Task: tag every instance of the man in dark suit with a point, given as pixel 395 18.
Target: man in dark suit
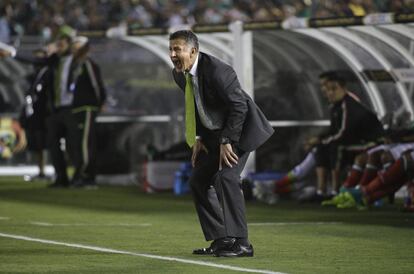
pixel 223 125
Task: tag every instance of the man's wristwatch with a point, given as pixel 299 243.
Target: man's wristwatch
pixel 225 140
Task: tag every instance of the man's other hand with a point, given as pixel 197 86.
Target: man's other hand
pixel 198 146
pixel 227 156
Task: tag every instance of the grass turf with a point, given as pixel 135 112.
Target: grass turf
pixel 297 238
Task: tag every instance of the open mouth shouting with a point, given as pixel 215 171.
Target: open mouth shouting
pixel 178 65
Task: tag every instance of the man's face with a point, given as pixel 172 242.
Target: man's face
pixel 62 46
pixel 182 55
pixel 334 92
pixel 322 84
pixel 76 46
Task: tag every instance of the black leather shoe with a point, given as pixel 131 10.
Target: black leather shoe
pixel 203 251
pixel 216 245
pixel 237 250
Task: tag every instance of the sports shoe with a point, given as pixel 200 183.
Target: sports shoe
pixel 356 193
pixel 335 200
pixel 347 202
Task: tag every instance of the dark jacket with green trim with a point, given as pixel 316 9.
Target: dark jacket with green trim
pixel 86 83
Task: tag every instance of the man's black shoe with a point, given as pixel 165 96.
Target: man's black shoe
pixel 216 245
pixel 203 251
pixel 237 250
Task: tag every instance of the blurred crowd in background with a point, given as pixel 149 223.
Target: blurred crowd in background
pixel 38 17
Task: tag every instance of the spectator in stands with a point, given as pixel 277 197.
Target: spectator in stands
pixel 402 6
pixel 357 7
pixel 235 13
pixel 177 15
pixel 301 9
pixel 77 18
pixel 6 12
pixel 36 16
pixel 139 16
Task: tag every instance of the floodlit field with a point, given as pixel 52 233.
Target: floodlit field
pixel 121 230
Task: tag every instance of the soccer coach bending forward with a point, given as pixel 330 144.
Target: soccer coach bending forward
pixel 223 125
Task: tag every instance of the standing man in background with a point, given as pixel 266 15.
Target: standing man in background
pixel 33 117
pixel 223 125
pixel 89 96
pixel 75 94
pixel 60 122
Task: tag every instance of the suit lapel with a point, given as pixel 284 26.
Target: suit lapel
pixel 180 79
pixel 200 75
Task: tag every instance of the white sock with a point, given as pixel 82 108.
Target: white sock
pixel 305 167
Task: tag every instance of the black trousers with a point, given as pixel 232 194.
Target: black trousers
pixel 218 194
pixel 61 124
pixel 336 156
pixel 85 145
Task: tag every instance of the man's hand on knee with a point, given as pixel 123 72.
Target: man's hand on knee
pixel 227 156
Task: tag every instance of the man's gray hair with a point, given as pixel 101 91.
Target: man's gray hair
pixel 188 36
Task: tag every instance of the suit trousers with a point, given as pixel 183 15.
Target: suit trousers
pixel 218 195
pixel 61 124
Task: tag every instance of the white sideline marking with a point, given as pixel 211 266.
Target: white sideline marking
pixel 24 170
pixel 164 258
pixel 83 224
pixel 295 223
pixel 4 218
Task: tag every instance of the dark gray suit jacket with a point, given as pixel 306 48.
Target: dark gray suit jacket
pixel 243 122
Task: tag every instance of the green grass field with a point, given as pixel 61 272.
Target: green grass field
pixel 288 237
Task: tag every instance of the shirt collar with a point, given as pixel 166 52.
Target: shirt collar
pixel 193 70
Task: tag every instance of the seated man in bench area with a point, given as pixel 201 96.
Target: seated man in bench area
pixel 354 128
